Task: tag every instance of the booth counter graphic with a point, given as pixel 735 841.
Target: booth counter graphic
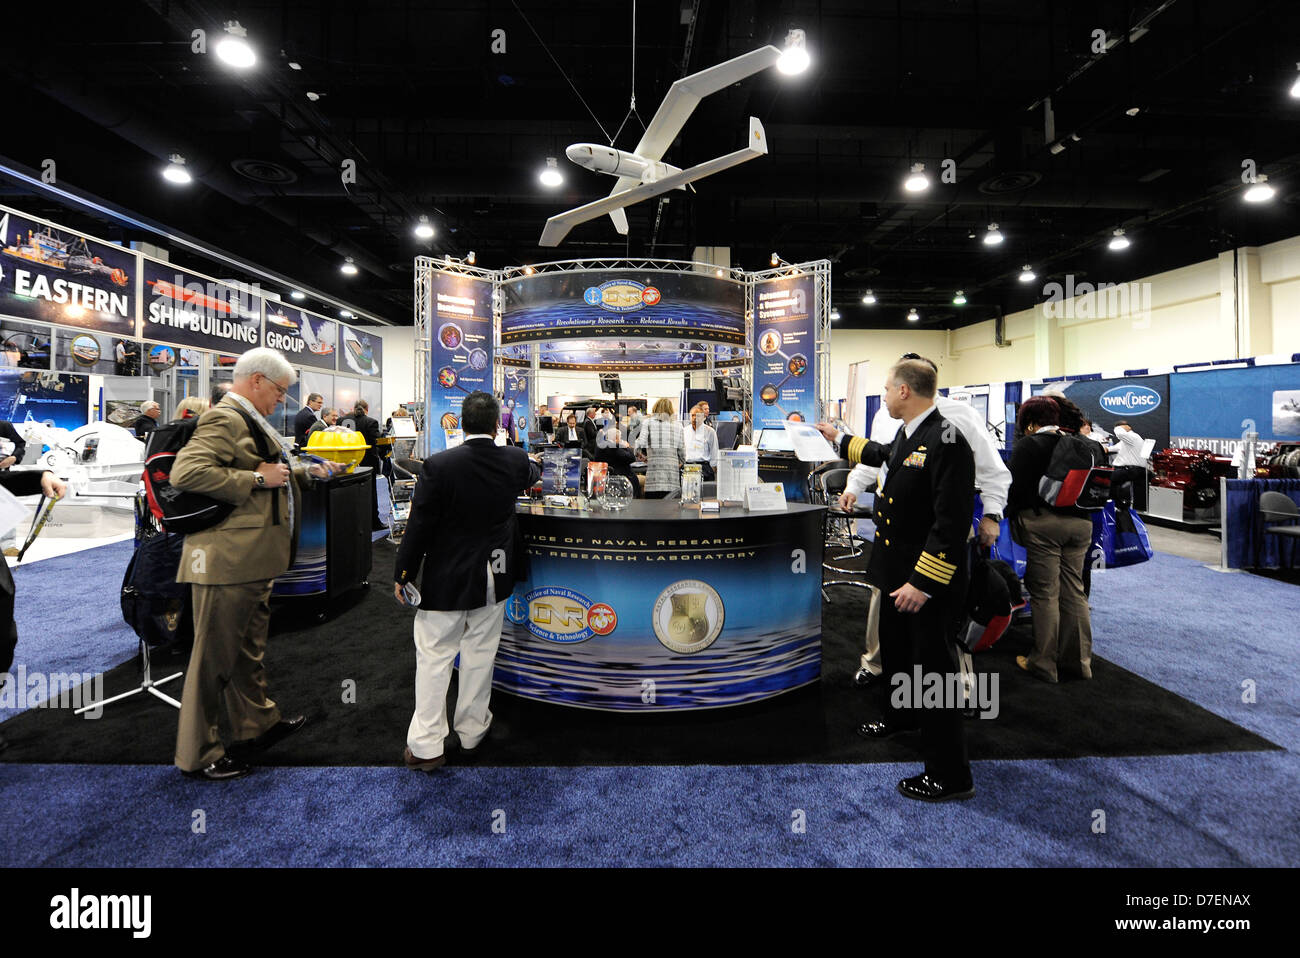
pixel 57 276
pixel 654 612
pixel 461 349
pixel 785 352
pixel 189 309
pixel 305 338
pixel 626 356
pixel 587 304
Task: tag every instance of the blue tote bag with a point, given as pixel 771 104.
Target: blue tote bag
pixel 1119 538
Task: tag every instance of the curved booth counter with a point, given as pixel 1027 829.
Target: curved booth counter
pixel 660 608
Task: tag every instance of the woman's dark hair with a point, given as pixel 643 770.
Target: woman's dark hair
pixel 1072 417
pixel 1038 411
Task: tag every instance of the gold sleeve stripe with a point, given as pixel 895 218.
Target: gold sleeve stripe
pixel 941 578
pixel 946 566
pixel 925 564
pixel 856 445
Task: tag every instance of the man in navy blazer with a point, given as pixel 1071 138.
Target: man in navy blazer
pixel 463 531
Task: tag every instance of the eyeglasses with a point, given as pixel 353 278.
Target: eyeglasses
pixel 280 391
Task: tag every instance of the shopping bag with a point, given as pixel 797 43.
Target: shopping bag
pixel 1006 549
pixel 1119 538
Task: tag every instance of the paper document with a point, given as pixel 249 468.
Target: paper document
pixel 737 471
pixel 809 444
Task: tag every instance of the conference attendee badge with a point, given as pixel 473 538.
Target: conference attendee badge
pixel 766 497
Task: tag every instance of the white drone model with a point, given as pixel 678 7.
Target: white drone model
pixel 641 174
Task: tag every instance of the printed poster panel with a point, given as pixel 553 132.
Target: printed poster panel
pixel 1214 409
pixel 189 309
pixel 1141 401
pixel 361 352
pixel 461 351
pixel 785 352
pixel 54 275
pixel 305 338
pixel 61 400
pixel 622 303
pixel 626 356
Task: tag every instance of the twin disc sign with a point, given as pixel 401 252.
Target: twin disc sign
pixel 1129 400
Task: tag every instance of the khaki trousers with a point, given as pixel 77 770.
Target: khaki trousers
pixel 226 672
pixel 1056 546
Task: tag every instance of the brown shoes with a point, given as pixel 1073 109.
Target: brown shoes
pixel 424 764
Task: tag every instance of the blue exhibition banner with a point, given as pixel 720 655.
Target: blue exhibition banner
pixel 54 275
pixel 517 403
pixel 785 352
pixel 460 326
pixel 622 304
pixel 55 399
pixel 1214 409
pixel 1141 401
pixel 305 338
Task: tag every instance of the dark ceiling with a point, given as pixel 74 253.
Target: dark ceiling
pixel 439 124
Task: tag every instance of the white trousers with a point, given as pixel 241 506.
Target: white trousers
pixel 439 636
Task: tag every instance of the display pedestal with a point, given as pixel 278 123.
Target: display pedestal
pixel 334 540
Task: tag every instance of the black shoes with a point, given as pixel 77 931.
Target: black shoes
pixel 927 788
pixel 278 732
pixel 875 730
pixel 865 678
pixel 222 770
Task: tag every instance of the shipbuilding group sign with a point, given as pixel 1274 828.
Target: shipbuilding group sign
pixel 192 310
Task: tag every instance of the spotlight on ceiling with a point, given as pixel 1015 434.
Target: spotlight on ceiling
pixel 719 273
pixel 913 316
pixel 1295 87
pixel 471 258
pixel 776 259
pixel 916 180
pixel 528 271
pixel 345 314
pixel 233 49
pixel 993 236
pixel 294 65
pixel 424 229
pixel 313 96
pixel 298 295
pixel 794 58
pixel 551 176
pixel 835 314
pixel 959 299
pixel 1118 241
pixel 1027 275
pixel 1260 191
pixel 175 172
pixel 348 268
pixel 1133 111
pixel 868 298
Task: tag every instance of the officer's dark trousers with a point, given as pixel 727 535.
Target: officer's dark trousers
pixel 925 638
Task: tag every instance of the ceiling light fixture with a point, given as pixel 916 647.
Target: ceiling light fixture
pixel 348 268
pixel 313 96
pixel 345 314
pixel 993 236
pixel 719 273
pixel 776 259
pixel 835 314
pixel 294 65
pixel 424 229
pixel 1133 110
pixel 959 299
pixel 868 298
pixel 794 58
pixel 1295 87
pixel 1027 275
pixel 528 271
pixel 917 180
pixel 1118 241
pixel 471 258
pixel 175 172
pixel 913 316
pixel 551 176
pixel 1260 191
pixel 233 49
pixel 298 295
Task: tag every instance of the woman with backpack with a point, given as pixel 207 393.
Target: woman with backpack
pixel 1056 538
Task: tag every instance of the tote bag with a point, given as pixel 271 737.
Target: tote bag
pixel 1119 538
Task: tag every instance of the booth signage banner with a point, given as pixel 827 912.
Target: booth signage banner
pixel 189 309
pixel 785 352
pixel 623 304
pixel 58 276
pixel 1213 410
pixel 633 615
pixel 361 352
pixel 460 325
pixel 625 356
pixel 1141 401
pixel 305 338
pixel 517 401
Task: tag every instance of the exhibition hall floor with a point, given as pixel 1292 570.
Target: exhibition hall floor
pixel 1161 742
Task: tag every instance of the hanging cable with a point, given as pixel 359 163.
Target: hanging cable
pixel 560 68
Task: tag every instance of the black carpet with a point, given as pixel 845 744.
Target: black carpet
pixel 367 641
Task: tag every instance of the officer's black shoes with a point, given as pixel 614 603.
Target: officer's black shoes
pixel 927 788
pixel 222 770
pixel 875 730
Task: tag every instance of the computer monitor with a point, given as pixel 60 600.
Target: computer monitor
pixel 774 440
pixel 728 430
pixel 536 437
pixel 546 424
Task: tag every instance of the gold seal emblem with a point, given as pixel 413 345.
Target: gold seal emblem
pixel 688 616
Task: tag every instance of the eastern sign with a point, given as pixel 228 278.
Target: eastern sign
pixel 619 304
pixel 305 338
pixel 189 309
pixel 57 276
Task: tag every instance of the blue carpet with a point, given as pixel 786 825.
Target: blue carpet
pixel 1166 812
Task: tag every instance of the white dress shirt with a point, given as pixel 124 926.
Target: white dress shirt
pixel 1128 448
pixel 701 444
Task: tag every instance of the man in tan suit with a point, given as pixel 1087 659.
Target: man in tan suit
pixel 231 566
